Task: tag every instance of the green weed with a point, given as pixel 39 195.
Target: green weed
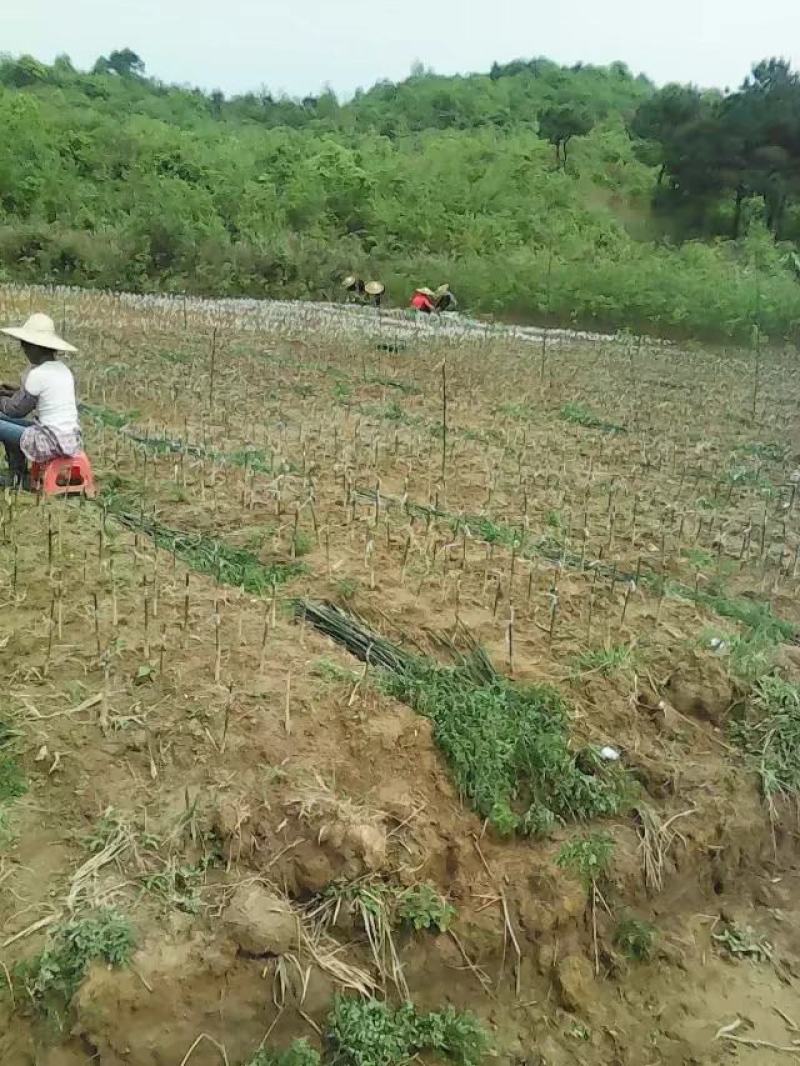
pixel 699 559
pixel 582 416
pixel 177 885
pixel 346 588
pixel 588 859
pixel 749 477
pixel 302 544
pixel 635 939
pixel 104 416
pixel 12 780
pixel 53 976
pixel 342 392
pixel 331 671
pixel 369 1033
pixel 424 908
pixel 742 943
pixel 7 834
pixel 769 735
pixel 774 453
pixel 228 565
pixel 604 661
pixel 521 411
pixel 300 1053
pixel 507 745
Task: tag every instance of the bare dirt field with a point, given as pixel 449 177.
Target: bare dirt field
pixel 220 829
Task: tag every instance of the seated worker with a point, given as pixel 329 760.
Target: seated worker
pixel 375 291
pixel 48 388
pixel 355 287
pixel 423 300
pixel 445 301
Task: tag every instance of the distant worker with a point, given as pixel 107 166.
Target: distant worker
pixel 424 300
pixel 354 286
pixel 375 291
pixel 445 301
pixel 48 389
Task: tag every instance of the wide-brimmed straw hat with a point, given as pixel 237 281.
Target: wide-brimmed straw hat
pixel 41 331
pixel 443 290
pixel 426 292
pixel 349 281
pixel 375 288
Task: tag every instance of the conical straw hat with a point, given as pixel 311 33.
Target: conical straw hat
pixel 375 288
pixel 40 330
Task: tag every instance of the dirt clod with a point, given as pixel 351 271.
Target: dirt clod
pixel 260 922
pixel 701 690
pixel 573 980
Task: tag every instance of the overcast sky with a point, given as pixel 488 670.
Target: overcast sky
pixel 301 45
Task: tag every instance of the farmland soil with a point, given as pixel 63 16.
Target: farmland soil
pixel 204 762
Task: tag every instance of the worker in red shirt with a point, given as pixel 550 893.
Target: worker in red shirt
pixel 423 300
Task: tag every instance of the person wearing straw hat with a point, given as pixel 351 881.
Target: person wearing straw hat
pixel 424 300
pixel 354 286
pixel 375 291
pixel 48 390
pixel 445 301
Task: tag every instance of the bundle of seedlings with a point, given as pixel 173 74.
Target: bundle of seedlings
pixel 507 745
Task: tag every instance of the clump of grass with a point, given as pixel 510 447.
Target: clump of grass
pixel 332 671
pixel 52 977
pixel 302 543
pixel 178 885
pixel 752 652
pixel 299 1053
pixel 635 939
pixel 369 1033
pixel 769 734
pixel 605 661
pixel 582 416
pixel 749 477
pixel 12 780
pixel 342 392
pixel 522 411
pixel 588 859
pixel 347 587
pixel 425 908
pixel 755 614
pixel 770 452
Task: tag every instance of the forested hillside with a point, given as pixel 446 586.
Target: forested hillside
pixel 554 194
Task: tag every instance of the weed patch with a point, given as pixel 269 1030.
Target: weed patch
pixel 12 780
pixel 579 415
pixel 207 555
pixel 507 745
pixel 769 735
pixel 742 943
pixel 369 1033
pixel 635 939
pixel 604 661
pixel 52 977
pixel 588 859
pixel 424 908
pixel 300 1053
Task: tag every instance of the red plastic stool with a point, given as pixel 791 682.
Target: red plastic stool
pixel 66 475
